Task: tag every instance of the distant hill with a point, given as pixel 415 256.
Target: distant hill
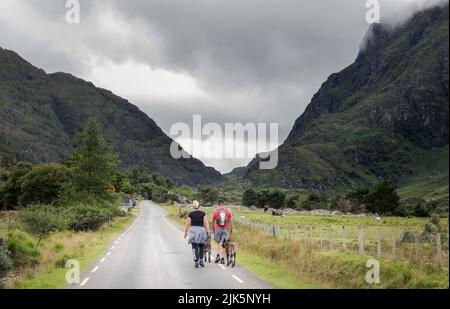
pixel 383 117
pixel 40 115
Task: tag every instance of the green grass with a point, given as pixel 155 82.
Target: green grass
pixel 271 273
pixel 85 247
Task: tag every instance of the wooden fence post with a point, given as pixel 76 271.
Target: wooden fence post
pixel 378 243
pixel 416 247
pixel 361 240
pixel 330 237
pixel 321 236
pixel 394 247
pixel 274 231
pixel 438 249
pixel 344 242
pixel 305 240
pixel 311 234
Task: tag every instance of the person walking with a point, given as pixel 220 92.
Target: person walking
pixel 223 228
pixel 196 230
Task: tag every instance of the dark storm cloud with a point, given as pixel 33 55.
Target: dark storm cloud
pixel 253 60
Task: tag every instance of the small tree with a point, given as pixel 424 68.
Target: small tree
pixel 43 184
pixel 93 166
pixel 249 198
pixel 383 199
pixel 277 198
pixel 207 195
pixel 13 183
pixel 41 221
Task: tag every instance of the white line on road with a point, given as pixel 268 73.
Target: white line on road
pixel 108 253
pixel 102 260
pixel 84 281
pixel 237 279
pixel 221 266
pixel 95 269
pixel 116 242
pixel 113 247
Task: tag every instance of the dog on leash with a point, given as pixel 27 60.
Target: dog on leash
pixel 230 251
pixel 207 249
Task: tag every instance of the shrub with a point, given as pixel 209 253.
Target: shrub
pixel 207 195
pixel 88 217
pixel 249 198
pixel 5 260
pixel 43 184
pixel 41 221
pixel 383 199
pixel 22 249
pixel 61 262
pixel 13 181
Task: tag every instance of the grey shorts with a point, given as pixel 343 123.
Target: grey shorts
pixel 221 235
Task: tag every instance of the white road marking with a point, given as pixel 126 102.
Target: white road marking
pixel 84 281
pixel 116 242
pixel 95 269
pixel 237 279
pixel 221 266
pixel 102 260
pixel 113 247
pixel 108 253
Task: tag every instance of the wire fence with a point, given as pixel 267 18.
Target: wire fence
pixel 384 242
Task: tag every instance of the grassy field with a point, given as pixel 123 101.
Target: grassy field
pixel 83 246
pixel 309 266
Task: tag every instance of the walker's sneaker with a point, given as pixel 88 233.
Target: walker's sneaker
pixel 196 265
pixel 201 263
pixel 217 259
pixel 222 261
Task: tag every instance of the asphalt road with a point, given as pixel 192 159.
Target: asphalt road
pixel 152 254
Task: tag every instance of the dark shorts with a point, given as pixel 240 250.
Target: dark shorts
pixel 221 235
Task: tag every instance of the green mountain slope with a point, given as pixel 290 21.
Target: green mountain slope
pixel 383 117
pixel 40 115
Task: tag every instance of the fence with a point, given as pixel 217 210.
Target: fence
pixel 383 242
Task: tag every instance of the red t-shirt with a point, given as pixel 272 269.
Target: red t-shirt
pixel 224 215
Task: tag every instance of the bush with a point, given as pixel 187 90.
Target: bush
pixel 43 184
pixel 249 198
pixel 88 217
pixel 22 249
pixel 383 199
pixel 41 221
pixel 5 260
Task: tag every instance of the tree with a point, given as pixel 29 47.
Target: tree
pixel 43 183
pixel 207 195
pixel 383 199
pixel 276 199
pixel 13 181
pixel 249 198
pixel 93 166
pixel 292 201
pixel 41 221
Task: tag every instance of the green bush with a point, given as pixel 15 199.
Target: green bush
pixel 5 260
pixel 43 184
pixel 249 198
pixel 41 221
pixel 88 217
pixel 22 248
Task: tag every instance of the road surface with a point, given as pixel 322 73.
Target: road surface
pixel 152 254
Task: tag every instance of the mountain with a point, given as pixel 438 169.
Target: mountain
pixel 41 114
pixel 383 117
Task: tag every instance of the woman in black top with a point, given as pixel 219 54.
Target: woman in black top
pixel 197 230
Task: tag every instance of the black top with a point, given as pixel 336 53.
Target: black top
pixel 197 217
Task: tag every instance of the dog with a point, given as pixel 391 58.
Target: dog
pixel 207 249
pixel 230 251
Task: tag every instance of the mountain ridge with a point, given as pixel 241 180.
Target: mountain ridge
pixel 382 117
pixel 42 113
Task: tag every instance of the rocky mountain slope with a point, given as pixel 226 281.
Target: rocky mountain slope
pixel 40 115
pixel 383 117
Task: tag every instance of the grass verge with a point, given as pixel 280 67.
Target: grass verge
pixel 85 247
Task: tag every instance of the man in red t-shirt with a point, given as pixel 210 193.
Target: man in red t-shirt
pixel 223 227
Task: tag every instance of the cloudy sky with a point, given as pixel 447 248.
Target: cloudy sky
pixel 230 61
